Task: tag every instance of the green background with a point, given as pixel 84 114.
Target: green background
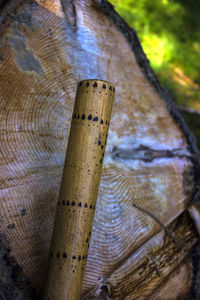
pixel 169 31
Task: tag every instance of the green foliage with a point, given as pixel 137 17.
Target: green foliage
pixel 194 123
pixel 169 31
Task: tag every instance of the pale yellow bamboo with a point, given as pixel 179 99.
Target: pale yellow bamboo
pixel 79 188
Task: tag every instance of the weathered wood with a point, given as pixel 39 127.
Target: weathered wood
pixel 151 160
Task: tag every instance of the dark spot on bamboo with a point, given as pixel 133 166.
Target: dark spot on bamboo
pixel 79 258
pixel 94 207
pixel 58 255
pixel 101 161
pixel 85 205
pixel 73 203
pixel 95 119
pixel 63 202
pixel 102 147
pixel 106 122
pixel 83 256
pixel 101 122
pixel 82 117
pixel 67 203
pixel 99 143
pixel 79 204
pixel 90 117
pixel 58 203
pixel 90 233
pixel 110 88
pixel 23 212
pixel 74 116
pixel 87 240
pixel 90 206
pixel 104 86
pixel 73 257
pixel 102 154
pixel 11 226
pixel 87 83
pixel 78 117
pixel 95 84
pixel 80 83
pixel 64 255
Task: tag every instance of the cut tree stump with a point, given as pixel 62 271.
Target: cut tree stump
pixel 143 236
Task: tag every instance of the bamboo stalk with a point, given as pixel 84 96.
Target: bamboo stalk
pixel 79 189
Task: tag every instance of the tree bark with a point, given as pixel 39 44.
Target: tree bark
pixel 142 231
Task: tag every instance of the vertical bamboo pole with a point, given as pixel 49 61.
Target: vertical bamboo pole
pixel 79 188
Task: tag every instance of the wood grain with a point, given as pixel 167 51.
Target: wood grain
pixel 42 57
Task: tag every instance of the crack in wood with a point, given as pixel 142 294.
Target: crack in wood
pixel 162 225
pixel 69 10
pixel 154 268
pixel 147 154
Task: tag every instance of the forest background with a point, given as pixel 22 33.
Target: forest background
pixel 169 31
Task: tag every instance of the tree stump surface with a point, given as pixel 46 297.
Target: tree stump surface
pixel 151 163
